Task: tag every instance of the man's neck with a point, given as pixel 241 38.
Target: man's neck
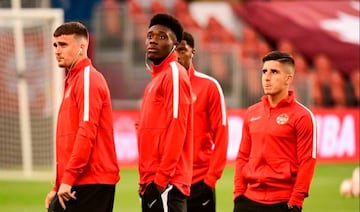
pixel 275 99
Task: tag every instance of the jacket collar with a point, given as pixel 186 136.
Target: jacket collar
pixel 80 65
pixel 191 70
pixel 164 64
pixel 287 101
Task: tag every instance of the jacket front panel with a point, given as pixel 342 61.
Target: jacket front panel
pixel 85 150
pixel 277 153
pixel 210 128
pixel 165 128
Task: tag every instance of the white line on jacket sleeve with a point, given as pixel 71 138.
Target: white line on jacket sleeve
pixel 175 75
pixel 314 136
pixel 86 93
pixel 222 98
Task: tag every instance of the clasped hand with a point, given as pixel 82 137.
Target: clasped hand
pixel 65 194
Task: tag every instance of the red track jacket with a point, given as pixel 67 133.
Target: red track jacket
pixel 85 150
pixel 210 128
pixel 164 130
pixel 277 154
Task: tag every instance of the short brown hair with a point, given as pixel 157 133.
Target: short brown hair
pixel 70 28
pixel 282 57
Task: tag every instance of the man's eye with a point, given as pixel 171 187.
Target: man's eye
pixel 149 36
pixel 274 71
pixel 162 37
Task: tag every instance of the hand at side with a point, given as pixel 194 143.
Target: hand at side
pixel 65 194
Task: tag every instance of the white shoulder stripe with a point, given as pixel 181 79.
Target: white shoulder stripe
pixel 314 146
pixel 86 93
pixel 175 75
pixel 222 98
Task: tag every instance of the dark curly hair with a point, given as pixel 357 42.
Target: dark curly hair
pixel 168 21
pixel 189 39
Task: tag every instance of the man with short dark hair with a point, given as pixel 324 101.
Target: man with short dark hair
pixel 210 131
pixel 164 129
pixel 86 164
pixel 277 155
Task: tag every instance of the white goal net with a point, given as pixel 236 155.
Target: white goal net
pixel 30 90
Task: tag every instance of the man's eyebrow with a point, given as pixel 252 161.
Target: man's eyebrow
pixel 273 69
pixel 60 43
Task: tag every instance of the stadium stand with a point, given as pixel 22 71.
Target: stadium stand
pixel 355 86
pixel 229 50
pixel 236 51
pixel 182 12
pixel 328 84
pixel 249 43
pixel 157 7
pixel 303 80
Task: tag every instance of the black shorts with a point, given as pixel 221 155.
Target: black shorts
pixel 89 198
pixel 244 204
pixel 170 200
pixel 202 198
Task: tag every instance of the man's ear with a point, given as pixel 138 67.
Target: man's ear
pixel 82 47
pixel 289 79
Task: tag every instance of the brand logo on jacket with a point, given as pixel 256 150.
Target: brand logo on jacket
pixel 255 118
pixel 282 119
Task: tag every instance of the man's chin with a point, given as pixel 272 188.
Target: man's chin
pixel 152 56
pixel 61 64
pixel 267 92
pixel 155 60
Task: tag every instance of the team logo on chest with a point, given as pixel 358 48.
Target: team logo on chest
pixel 282 119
